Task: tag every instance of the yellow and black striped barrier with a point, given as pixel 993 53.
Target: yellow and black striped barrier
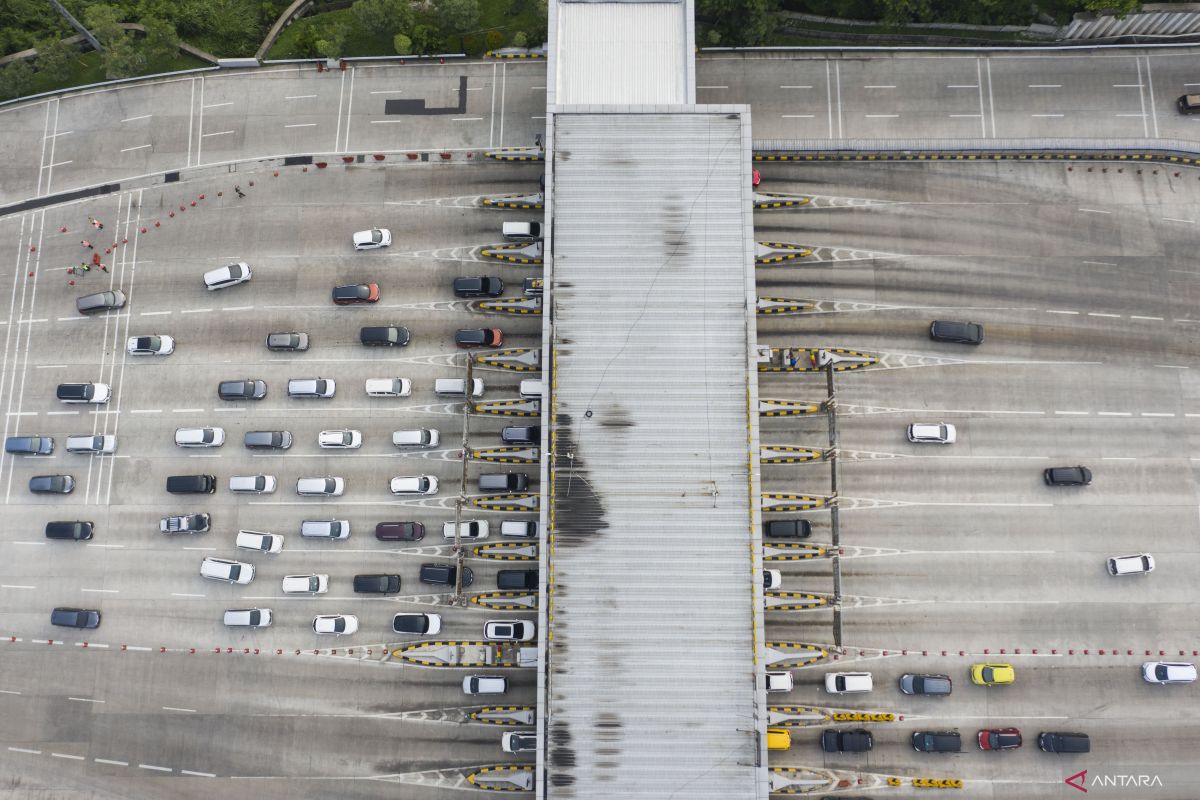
pixel 788 454
pixel 517 154
pixel 500 54
pixel 937 783
pixel 507 551
pixel 782 305
pixel 505 502
pixel 498 254
pixel 807 359
pixel 776 252
pixel 798 711
pixel 514 201
pixel 408 654
pixel 805 654
pixel 480 714
pixel 507 455
pixel 980 155
pixel 478 778
pixel 861 716
pixel 787 408
pixel 791 502
pixel 804 551
pixel 518 359
pixel 510 408
pixel 531 305
pixel 495 601
pixel 807 601
pixel 775 200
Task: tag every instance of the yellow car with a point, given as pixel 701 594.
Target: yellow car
pixel 779 739
pixel 992 674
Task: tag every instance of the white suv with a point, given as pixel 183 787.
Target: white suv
pixel 320 487
pixel 311 387
pixel 932 432
pixel 252 484
pixel 1139 564
pixel 199 437
pixel 260 542
pixel 89 443
pixel 848 682
pixel 229 275
pixel 305 584
pixel 325 528
pixel 517 630
pixel 222 569
pixel 414 484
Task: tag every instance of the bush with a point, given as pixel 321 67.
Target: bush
pixel 54 58
pixel 16 79
pixel 519 39
pixel 402 44
pixel 494 40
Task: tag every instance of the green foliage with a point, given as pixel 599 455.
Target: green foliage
pixel 457 16
pixel 123 58
pixel 493 40
pixel 425 39
pixel 332 41
pixel 898 12
pixel 739 22
pixel 383 17
pixel 16 79
pixel 104 21
pixel 308 41
pixel 223 27
pixel 1122 7
pixel 402 44
pixel 160 40
pixel 54 58
pixel 519 39
pixel 713 36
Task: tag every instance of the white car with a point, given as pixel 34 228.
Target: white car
pixel 325 528
pixel 931 432
pixel 389 387
pixel 261 542
pixel 199 437
pixel 414 484
pixel 223 569
pixel 372 239
pixel 467 529
pixel 311 387
pixel 335 624
pixel 252 484
pixel 1139 564
pixel 779 681
pixel 772 579
pixel 1164 672
pixel 329 486
pixel 340 439
pixel 228 275
pixel 89 443
pixel 519 742
pixel 517 630
pixel 305 584
pixel 156 344
pixel 848 682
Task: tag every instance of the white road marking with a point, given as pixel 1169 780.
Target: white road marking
pixel 962 86
pixel 1139 316
pixel 1045 86
pixel 1174 219
pixel 111 761
pixel 146 411
pixel 8 691
pixel 972 116
pixel 302 125
pixel 1045 115
pixel 1117 458
pixel 138 147
pixel 1170 366
pixel 25 750
pixel 218 133
pixel 350 108
pixel 107 546
pixel 1157 414
pixel 198 774
pixel 85 700
pixel 1098 314
pixel 67 755
pixel 100 591
pixel 1115 413
pixel 1095 211
pixel 880 116
pixel 173 708
pixel 301 96
pixel 51 366
pixel 386 91
pixel 60 133
pixel 15 586
pixel 795 87
pixel 157 769
pixel 135 119
pixel 201 549
pixel 1101 263
pixel 879 86
pixel 58 164
pixel 62 413
pixel 796 116
pixel 153 313
pixel 238 308
pixel 184 594
pixel 218 105
pixel 385 121
pixel 195 311
pixel 712 87
pixel 186 410
pixel 1073 413
pixel 535 116
pixel 465 119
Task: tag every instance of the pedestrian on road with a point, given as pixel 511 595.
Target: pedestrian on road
pixel 237 188
pixel 97 224
pixel 103 268
pixel 86 268
pixel 86 244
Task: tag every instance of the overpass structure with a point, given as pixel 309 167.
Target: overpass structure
pixel 650 687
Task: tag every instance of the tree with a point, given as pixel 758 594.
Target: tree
pixel 458 16
pixel 16 79
pixel 307 41
pixel 1122 7
pixel 104 21
pixel 331 43
pixel 402 44
pixel 161 40
pixel 519 39
pixel 381 17
pixel 740 22
pixel 123 58
pixel 54 58
pixel 899 12
pixel 424 39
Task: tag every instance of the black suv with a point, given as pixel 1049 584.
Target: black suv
pixel 75 618
pixel 517 580
pixel 268 440
pixel 394 336
pixel 856 741
pixel 936 742
pixel 400 531
pixel 191 484
pixel 1051 742
pixel 958 332
pixel 242 390
pixel 444 574
pixel 51 484
pixel 787 529
pixel 78 530
pixel 1067 476
pixel 521 434
pixel 478 287
pixel 376 584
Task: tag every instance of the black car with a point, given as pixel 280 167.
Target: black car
pixel 521 434
pixel 444 574
pixel 287 341
pixel 376 584
pixel 355 294
pixel 787 529
pixel 1067 476
pixel 29 445
pixel 77 530
pixel 478 337
pixel 503 482
pixel 393 336
pixel 400 531
pixel 936 741
pixel 1188 104
pixel 75 618
pixel 191 484
pixel 958 332
pixel 478 287
pixel 242 390
pixel 268 440
pixel 1053 742
pixel 51 484
pixel 855 741
pixel 929 685
pixel 415 623
pixel 517 580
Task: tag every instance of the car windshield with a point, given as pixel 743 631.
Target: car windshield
pixel 989 674
pixel 376 236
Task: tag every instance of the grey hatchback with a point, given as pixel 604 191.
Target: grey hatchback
pixel 932 685
pixel 248 389
pixel 287 341
pixel 29 445
pixel 75 617
pixel 51 484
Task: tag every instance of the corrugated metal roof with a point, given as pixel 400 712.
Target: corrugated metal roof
pixel 623 52
pixel 651 682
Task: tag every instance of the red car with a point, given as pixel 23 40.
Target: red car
pixel 358 293
pixel 479 337
pixel 999 739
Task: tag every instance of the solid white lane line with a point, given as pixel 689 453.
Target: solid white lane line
pixel 1101 263
pixel 1095 211
pixel 795 87
pixel 185 710
pixel 84 700
pixel 1139 316
pixel 218 133
pixel 880 116
pixel 198 774
pixel 1045 115
pixel 135 119
pixel 1045 86
pixel 302 125
pixel 797 116
pixel 138 147
pixel 1057 311
pixel 1170 366
pixel 1176 219
pixel 218 105
pixel 300 96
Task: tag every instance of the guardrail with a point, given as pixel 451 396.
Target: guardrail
pixel 1173 151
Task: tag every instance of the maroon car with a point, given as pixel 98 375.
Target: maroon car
pixel 999 739
pixel 400 531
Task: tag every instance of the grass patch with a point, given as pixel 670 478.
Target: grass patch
pixel 89 68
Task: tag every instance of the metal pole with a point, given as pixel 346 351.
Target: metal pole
pixel 77 25
pixel 459 550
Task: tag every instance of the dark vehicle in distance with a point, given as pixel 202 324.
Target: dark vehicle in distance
pixel 51 484
pixel 517 580
pixel 1055 742
pixel 29 445
pixel 268 440
pixel 242 390
pixel 936 741
pixel 445 574
pixel 77 530
pixel 387 336
pixel 75 617
pixel 478 287
pixel 1067 476
pixel 479 337
pixel 191 484
pixel 855 741
pixel 787 529
pixel 400 531
pixel 958 332
pixel 287 341
pixel 376 584
pixel 356 294
pixel 932 685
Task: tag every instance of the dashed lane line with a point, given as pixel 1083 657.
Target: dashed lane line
pixel 70 756
pixel 155 768
pixel 85 700
pixel 25 750
pixel 197 774
pixel 1094 211
pixel 111 761
pixel 185 710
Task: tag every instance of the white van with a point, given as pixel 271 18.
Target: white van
pixel 421 437
pixel 199 437
pixel 229 275
pixel 248 618
pixel 259 542
pixel 457 387
pixel 522 231
pixel 389 387
pixel 531 389
pixel 519 528
pixel 305 584
pixel 320 487
pixel 222 569
pixel 848 682
pixel 485 684
pixel 252 484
